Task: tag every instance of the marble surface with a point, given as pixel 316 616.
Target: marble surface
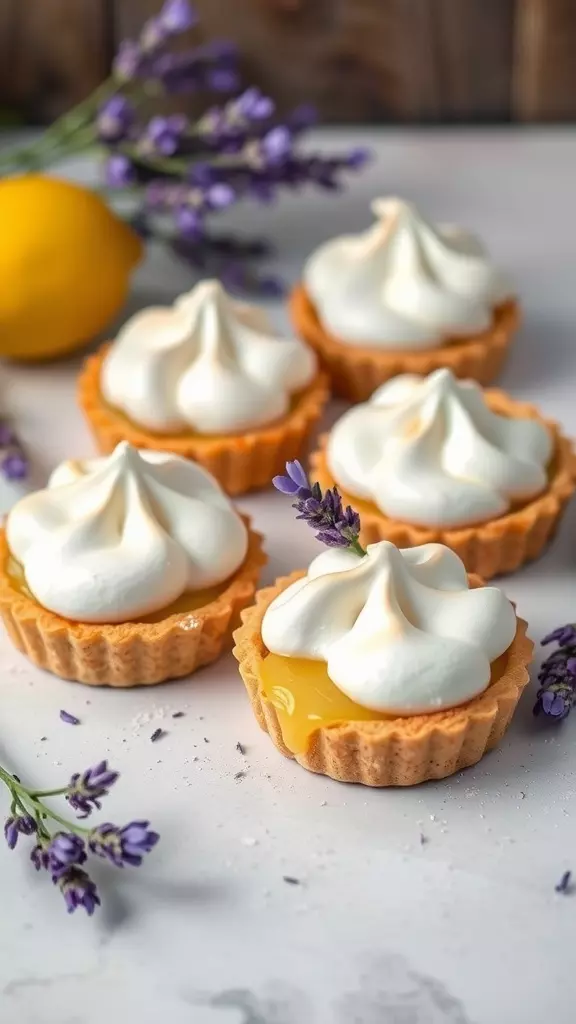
pixel 465 929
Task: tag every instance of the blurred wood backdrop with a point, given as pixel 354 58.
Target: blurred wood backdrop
pixel 357 60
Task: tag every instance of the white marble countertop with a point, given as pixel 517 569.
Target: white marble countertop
pixel 466 929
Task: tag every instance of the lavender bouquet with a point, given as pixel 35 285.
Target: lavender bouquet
pixel 181 172
pixel 61 846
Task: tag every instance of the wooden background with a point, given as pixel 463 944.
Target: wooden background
pixel 357 60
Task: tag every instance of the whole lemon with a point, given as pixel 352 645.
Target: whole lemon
pixel 65 263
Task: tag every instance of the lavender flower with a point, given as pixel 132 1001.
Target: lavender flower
pixel 296 481
pixel 337 527
pixel 65 716
pixel 178 16
pixel 557 677
pixel 125 845
pixel 163 135
pixel 15 466
pixel 40 855
pixel 86 790
pixel 211 67
pixel 77 889
pixel 114 119
pixel 17 825
pixel 120 171
pixel 129 62
pixel 191 169
pixel 66 849
pixel 63 852
pixel 564 636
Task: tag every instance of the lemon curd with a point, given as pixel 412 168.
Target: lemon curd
pixel 306 699
pixel 187 602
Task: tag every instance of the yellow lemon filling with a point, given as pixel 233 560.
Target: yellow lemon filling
pixel 306 699
pixel 187 602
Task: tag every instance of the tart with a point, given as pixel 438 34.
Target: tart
pixel 388 669
pixel 126 570
pixel 404 297
pixel 209 380
pixel 437 460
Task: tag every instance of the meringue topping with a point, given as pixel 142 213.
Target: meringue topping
pixel 206 364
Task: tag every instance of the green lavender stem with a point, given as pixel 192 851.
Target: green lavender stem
pixel 31 802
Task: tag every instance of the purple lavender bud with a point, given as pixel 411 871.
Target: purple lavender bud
pixel 114 119
pixel 128 62
pixel 163 134
pixel 332 538
pixel 564 636
pixel 15 466
pixel 86 790
pixel 253 105
pixel 11 832
pixel 16 825
pixel 222 79
pixel 66 849
pixel 77 889
pixel 65 716
pixel 276 144
pixel 189 223
pixel 296 481
pixel 553 704
pixel 178 16
pixel 270 287
pixel 119 171
pixel 40 856
pixel 153 35
pixel 202 175
pixel 358 158
pixel 219 196
pixel 125 845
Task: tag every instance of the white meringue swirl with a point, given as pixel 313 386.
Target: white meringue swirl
pixel 429 451
pixel 404 284
pixel 116 538
pixel 400 630
pixel 206 364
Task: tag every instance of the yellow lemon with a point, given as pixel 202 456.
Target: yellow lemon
pixel 65 263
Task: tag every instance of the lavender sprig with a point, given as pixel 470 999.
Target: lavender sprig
pixel 337 527
pixel 557 677
pixel 180 171
pixel 62 853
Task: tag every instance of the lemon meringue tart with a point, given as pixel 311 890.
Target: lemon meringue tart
pixel 386 668
pixel 208 379
pixel 126 570
pixel 437 460
pixel 405 296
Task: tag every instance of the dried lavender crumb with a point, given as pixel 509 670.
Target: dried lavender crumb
pixel 564 886
pixel 290 880
pixel 240 748
pixel 158 734
pixel 68 718
pixel 42 738
pixel 240 775
pixel 423 839
pixel 178 714
pixel 206 740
